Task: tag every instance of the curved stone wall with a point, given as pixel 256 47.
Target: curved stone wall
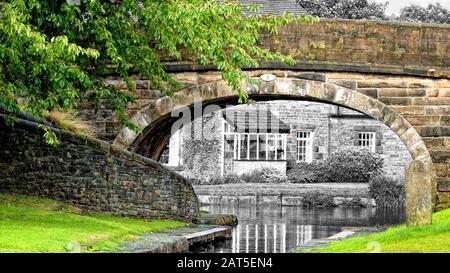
pixel 92 175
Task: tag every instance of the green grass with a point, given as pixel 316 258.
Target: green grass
pixel 31 224
pixel 430 238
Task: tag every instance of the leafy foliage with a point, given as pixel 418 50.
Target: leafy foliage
pixel 345 166
pixel 354 165
pixel 54 54
pixel 49 136
pixel 387 191
pixel 433 13
pixel 317 199
pixel 314 172
pixel 263 175
pixel 345 9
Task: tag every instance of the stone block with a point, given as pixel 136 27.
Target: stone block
pixel 443 184
pixel 409 110
pixel 382 83
pixel 420 120
pixel 393 92
pixel 371 92
pixel 396 100
pixel 418 193
pixel 312 76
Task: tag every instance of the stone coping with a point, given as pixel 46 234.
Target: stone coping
pixel 304 65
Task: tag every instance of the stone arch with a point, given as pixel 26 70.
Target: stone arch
pixel 156 118
pixel 157 122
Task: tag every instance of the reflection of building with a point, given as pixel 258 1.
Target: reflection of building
pixel 278 134
pixel 268 238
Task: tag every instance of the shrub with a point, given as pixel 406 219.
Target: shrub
pixel 387 191
pixel 218 180
pixel 227 179
pixel 316 199
pixel 308 173
pixel 264 175
pixel 355 166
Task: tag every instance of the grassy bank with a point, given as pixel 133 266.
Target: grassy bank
pixel 31 224
pixel 431 238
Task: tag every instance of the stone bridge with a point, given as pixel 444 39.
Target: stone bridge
pixel 91 174
pixel 397 73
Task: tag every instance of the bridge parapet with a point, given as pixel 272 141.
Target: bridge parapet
pixel 356 46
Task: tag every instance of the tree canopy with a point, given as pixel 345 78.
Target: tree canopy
pixel 433 13
pixel 367 9
pixel 54 53
pixel 345 9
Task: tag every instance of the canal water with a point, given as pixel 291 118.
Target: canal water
pixel 275 229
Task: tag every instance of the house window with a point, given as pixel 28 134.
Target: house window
pixel 276 147
pixel 367 140
pixel 165 155
pixel 254 146
pixel 304 146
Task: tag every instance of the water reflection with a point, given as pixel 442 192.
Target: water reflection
pixel 280 229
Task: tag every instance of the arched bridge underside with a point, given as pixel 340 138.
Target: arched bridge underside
pixel 396 73
pixel 408 105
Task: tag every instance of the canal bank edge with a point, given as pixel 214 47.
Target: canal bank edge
pixel 210 227
pixel 304 195
pixel 346 233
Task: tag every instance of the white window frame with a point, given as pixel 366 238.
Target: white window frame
pixel 304 151
pixel 166 156
pixel 239 136
pixel 367 140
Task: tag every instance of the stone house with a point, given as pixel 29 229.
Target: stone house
pixel 278 134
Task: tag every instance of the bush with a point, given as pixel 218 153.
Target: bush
pixel 316 199
pixel 353 166
pixel 264 175
pixel 308 173
pixel 387 191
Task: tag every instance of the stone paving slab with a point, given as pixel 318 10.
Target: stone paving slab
pixel 176 241
pixel 346 233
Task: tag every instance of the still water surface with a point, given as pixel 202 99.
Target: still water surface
pixel 274 229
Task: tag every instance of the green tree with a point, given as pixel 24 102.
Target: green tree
pixel 345 9
pixel 54 53
pixel 433 13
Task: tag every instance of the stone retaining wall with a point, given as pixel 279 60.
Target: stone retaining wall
pixel 91 174
pixel 322 195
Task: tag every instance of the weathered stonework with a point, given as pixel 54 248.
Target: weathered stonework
pixel 395 72
pixel 356 46
pixel 420 119
pixel 92 175
pixel 418 193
